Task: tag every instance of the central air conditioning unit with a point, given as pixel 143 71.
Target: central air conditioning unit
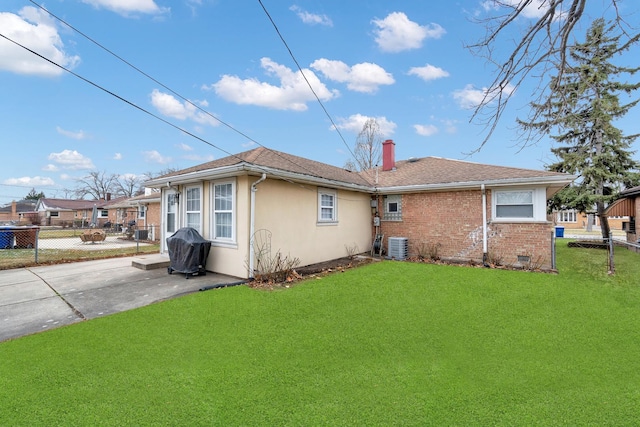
pixel 398 248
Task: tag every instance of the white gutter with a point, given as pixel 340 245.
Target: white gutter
pixel 252 226
pixel 484 224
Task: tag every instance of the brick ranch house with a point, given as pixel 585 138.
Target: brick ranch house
pixel 318 212
pixel 628 205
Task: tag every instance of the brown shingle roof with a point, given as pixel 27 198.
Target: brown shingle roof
pixel 437 170
pixel 281 161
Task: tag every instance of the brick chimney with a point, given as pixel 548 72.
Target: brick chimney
pixel 388 155
pixel 14 210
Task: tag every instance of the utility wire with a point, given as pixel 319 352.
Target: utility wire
pixel 176 94
pixel 326 112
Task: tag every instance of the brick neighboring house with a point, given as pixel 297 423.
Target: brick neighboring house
pixel 17 211
pixel 572 219
pixel 75 212
pixel 143 211
pixel 315 212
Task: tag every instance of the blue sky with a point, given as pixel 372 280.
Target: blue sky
pixel 401 62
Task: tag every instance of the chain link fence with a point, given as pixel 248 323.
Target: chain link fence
pixel 24 246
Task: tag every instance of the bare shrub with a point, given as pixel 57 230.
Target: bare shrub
pixel 429 251
pixel 352 250
pixel 274 269
pixel 494 259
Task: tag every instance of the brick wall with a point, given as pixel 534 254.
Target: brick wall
pixel 453 221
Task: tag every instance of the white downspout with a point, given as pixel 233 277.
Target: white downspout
pixel 252 225
pixel 484 224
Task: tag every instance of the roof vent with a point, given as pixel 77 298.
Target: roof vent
pixel 413 159
pixel 398 247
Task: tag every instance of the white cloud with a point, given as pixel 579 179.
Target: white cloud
pixel 470 97
pixel 33 29
pixel 68 159
pixel 364 77
pixel 311 18
pixel 355 123
pixel 396 33
pixel 30 181
pixel 117 156
pixel 80 134
pixel 428 72
pixel 50 168
pixel 184 147
pixel 293 93
pixel 129 7
pixel 155 157
pixel 425 130
pixel 169 106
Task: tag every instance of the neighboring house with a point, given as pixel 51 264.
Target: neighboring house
pixel 573 220
pixel 316 212
pixel 75 212
pixel 144 210
pixel 627 205
pixel 17 210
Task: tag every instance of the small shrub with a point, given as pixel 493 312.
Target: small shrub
pixel 429 251
pixel 352 250
pixel 276 269
pixel 494 259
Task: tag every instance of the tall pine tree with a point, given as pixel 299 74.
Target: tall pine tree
pixel 582 110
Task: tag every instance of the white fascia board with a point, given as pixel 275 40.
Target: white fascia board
pixel 239 169
pixel 541 181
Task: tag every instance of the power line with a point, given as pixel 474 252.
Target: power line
pixel 326 112
pixel 173 92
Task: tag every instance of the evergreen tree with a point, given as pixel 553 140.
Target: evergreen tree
pixel 33 195
pixel 582 110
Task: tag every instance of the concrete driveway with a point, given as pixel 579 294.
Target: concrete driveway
pixel 36 299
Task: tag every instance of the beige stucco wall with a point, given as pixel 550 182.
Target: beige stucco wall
pixel 290 212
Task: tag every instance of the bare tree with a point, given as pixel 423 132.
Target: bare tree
pixel 129 185
pixel 97 185
pixel 368 149
pixel 541 48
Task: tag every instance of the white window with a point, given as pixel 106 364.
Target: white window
pixel 55 214
pixel 193 208
pixel 224 211
pixel 569 215
pixel 519 205
pixel 172 209
pixel 392 208
pixel 103 213
pixel 141 211
pixel 327 206
pixel 514 204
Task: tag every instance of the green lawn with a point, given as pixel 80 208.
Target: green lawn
pixel 390 343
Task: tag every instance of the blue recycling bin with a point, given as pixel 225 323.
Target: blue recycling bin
pixel 559 231
pixel 6 238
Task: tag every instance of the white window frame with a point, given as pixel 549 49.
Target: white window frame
pixel 538 202
pixel 185 196
pixel 567 216
pixel 103 213
pixel 234 200
pixel 142 211
pixel 333 208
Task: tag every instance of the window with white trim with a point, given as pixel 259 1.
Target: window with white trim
pixel 224 211
pixel 516 204
pixel 567 215
pixel 392 208
pixel 142 209
pixel 193 207
pixel 327 206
